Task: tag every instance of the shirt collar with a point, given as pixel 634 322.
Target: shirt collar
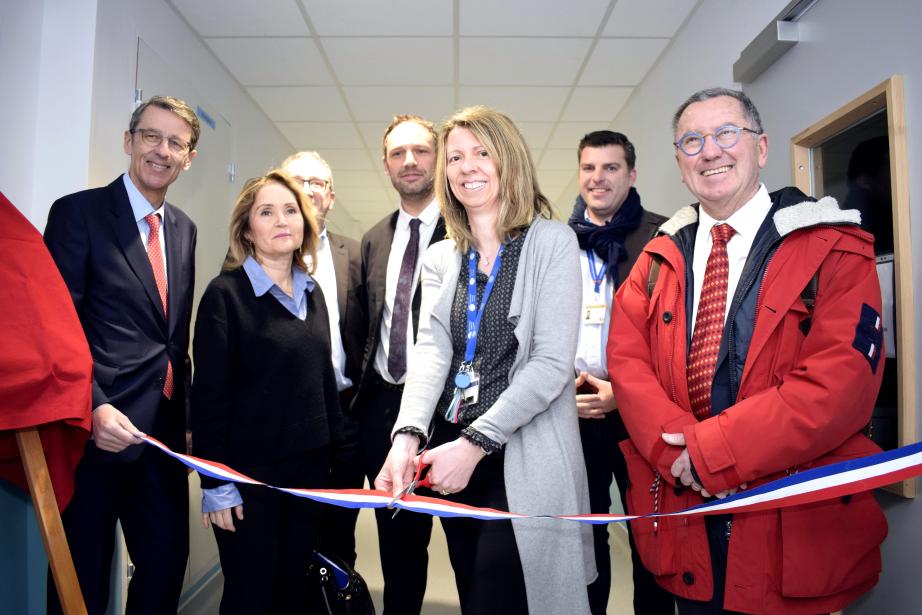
pixel 262 283
pixel 427 216
pixel 140 206
pixel 747 219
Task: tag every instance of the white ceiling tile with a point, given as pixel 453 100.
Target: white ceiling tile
pixel 622 61
pixel 382 103
pixel 359 179
pixel 522 18
pixel 648 17
pixel 373 134
pixel 367 195
pixel 567 135
pixel 321 135
pixel 521 61
pixel 374 17
pixel 536 133
pixel 300 104
pixel 272 61
pixel 348 160
pixel 404 61
pixel 595 104
pixel 559 160
pixel 522 104
pixel 243 17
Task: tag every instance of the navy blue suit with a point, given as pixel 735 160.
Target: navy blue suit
pixel 93 237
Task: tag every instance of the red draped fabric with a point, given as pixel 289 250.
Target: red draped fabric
pixel 45 363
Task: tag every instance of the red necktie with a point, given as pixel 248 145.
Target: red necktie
pixel 155 255
pixel 709 324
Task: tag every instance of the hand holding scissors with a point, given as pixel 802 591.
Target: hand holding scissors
pixel 418 481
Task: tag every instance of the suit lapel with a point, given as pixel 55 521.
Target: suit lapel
pixel 175 249
pixel 340 268
pixel 126 230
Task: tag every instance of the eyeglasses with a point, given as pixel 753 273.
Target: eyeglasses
pixel 725 137
pixel 153 138
pixel 315 183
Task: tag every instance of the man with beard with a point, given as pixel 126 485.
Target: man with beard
pixel 391 262
pixel 612 229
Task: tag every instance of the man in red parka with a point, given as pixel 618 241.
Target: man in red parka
pixel 745 346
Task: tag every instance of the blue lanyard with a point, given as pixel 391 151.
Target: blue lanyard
pixel 474 313
pixel 597 276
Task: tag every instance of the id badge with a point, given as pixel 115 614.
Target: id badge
pixel 594 314
pixel 471 394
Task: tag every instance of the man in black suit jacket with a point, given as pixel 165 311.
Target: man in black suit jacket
pixel 409 161
pixel 612 227
pixel 339 273
pixel 127 257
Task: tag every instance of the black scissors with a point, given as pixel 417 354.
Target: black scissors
pixel 418 481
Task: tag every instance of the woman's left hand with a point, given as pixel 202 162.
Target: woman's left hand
pixel 452 465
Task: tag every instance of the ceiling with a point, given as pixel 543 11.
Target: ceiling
pixel 332 74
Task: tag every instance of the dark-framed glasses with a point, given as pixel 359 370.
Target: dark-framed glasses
pixel 153 138
pixel 315 183
pixel 725 137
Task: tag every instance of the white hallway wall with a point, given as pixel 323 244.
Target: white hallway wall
pixel 848 47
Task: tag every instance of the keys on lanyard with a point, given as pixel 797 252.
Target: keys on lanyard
pixel 467 381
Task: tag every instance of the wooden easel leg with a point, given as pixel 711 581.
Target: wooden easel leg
pixel 49 521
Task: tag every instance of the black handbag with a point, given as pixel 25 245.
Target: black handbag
pixel 335 588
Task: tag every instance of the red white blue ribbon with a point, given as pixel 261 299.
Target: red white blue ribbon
pixel 813 485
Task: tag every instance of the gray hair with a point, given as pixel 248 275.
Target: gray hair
pixel 749 109
pixel 311 155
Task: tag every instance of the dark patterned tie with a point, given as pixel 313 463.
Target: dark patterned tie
pixel 397 351
pixel 155 255
pixel 709 323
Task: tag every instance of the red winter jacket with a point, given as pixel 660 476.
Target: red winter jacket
pixel 802 401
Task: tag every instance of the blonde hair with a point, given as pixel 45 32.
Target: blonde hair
pixel 239 247
pixel 521 200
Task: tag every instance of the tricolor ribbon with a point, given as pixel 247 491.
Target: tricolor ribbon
pixel 813 485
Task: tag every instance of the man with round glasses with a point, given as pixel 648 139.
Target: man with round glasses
pixel 744 347
pixel 128 257
pixel 339 273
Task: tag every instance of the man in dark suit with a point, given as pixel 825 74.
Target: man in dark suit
pixel 339 273
pixel 612 228
pixel 127 257
pixel 391 260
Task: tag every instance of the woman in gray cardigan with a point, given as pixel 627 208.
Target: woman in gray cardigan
pixel 492 372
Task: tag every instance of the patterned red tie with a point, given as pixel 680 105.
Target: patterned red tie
pixel 709 324
pixel 155 255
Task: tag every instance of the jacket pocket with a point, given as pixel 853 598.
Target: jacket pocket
pixel 655 539
pixel 790 335
pixel 831 546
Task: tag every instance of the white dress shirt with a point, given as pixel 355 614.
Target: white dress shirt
pixel 141 208
pixel 325 275
pixel 428 218
pixel 746 222
pixel 593 331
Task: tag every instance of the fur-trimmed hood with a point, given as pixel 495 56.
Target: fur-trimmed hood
pixel 788 217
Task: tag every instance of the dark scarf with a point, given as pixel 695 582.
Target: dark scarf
pixel 607 241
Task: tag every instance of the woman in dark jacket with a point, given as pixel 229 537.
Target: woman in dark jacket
pixel 264 397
